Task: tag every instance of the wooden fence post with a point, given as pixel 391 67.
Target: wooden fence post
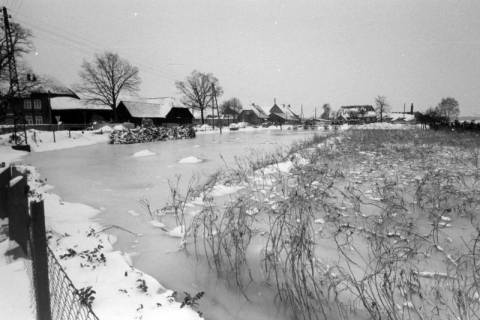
pixel 18 218
pixel 40 261
pixel 4 186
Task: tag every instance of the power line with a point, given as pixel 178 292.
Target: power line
pixel 79 43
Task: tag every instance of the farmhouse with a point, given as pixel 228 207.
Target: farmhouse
pixel 279 116
pixel 75 111
pixel 253 114
pixel 162 111
pixel 357 114
pixel 33 104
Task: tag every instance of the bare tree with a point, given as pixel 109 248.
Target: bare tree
pixel 22 44
pixel 105 78
pixel 326 111
pixel 448 108
pixel 197 90
pixel 382 106
pixel 233 104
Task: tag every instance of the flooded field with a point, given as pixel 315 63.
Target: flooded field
pixel 114 178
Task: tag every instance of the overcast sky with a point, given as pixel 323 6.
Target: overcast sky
pixel 301 52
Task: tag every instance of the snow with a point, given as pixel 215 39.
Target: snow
pixel 133 213
pixel 15 295
pixel 384 126
pixel 104 129
pixel 190 159
pixel 283 167
pixel 120 293
pixel 143 153
pixel 119 127
pixel 40 141
pixel 221 190
pixel 177 232
pixel 158 224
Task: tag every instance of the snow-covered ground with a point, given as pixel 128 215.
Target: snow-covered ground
pixel 46 140
pixel 15 294
pixel 86 253
pixel 75 232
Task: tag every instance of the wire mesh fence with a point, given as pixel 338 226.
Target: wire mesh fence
pixel 66 301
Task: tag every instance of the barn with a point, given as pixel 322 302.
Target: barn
pixel 163 111
pixel 75 111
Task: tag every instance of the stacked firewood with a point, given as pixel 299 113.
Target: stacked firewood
pixel 151 134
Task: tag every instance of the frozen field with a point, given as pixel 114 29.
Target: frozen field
pixel 114 178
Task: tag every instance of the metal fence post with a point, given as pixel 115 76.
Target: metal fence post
pixel 40 261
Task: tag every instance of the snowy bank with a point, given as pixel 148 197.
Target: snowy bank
pixel 40 141
pixel 86 253
pixel 16 295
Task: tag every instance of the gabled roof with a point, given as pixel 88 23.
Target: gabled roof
pixel 275 109
pixel 66 103
pixel 291 115
pixel 139 109
pixel 257 110
pixel 43 86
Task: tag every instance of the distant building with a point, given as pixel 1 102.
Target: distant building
pixel 230 114
pixel 75 111
pixel 357 114
pixel 163 111
pixel 253 114
pixel 285 116
pixel 33 104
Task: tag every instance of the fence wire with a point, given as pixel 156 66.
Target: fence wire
pixel 65 300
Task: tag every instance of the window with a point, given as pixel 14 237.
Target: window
pixel 37 104
pixel 38 120
pixel 27 104
pixel 29 119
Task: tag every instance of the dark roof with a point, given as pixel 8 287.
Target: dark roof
pixel 275 109
pixel 43 86
pixel 229 110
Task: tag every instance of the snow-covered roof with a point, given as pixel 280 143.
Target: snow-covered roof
pixel 43 85
pixel 400 116
pixel 150 108
pixel 257 110
pixel 66 103
pixel 357 108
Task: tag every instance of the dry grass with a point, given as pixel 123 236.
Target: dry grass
pixel 380 225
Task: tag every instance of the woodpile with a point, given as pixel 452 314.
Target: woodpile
pixel 151 134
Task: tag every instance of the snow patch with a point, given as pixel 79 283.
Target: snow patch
pixel 190 159
pixel 177 232
pixel 143 153
pixel 222 190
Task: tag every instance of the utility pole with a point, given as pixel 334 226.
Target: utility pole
pixel 403 108
pixel 12 66
pixel 215 103
pixel 315 118
pixel 14 86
